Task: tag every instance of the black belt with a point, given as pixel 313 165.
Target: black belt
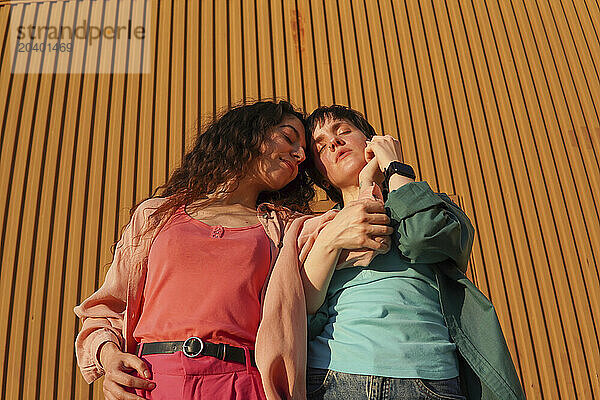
pixel 194 347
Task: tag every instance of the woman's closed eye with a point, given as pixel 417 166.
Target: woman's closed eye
pixel 289 136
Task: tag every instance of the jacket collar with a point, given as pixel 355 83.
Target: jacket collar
pixel 274 218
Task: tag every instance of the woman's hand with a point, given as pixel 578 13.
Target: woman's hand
pixel 379 153
pixel 385 148
pixel 361 224
pixel 370 174
pixel 118 367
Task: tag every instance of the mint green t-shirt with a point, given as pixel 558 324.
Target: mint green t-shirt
pixel 385 319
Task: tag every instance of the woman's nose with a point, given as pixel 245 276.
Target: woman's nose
pixel 336 141
pixel 299 154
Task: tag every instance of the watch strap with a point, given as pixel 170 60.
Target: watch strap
pixel 396 167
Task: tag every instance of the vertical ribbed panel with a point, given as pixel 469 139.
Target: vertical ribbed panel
pixel 494 102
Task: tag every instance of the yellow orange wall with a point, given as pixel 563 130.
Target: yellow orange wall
pixel 494 102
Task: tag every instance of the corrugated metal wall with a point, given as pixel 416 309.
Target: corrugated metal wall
pixel 495 102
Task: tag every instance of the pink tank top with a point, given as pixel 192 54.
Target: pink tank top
pixel 204 281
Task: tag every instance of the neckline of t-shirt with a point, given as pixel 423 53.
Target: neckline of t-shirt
pixel 235 228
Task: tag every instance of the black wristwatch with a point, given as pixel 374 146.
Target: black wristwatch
pixel 396 167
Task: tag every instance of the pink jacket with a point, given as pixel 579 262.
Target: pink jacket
pixel 112 312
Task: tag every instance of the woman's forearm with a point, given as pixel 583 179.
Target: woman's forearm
pixel 317 271
pixel 397 181
pixel 361 225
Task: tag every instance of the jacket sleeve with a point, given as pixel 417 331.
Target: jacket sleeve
pixel 429 227
pixel 281 336
pixel 102 314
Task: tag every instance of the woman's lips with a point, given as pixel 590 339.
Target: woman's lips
pixel 289 164
pixel 342 154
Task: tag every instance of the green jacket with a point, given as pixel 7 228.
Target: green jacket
pixel 430 228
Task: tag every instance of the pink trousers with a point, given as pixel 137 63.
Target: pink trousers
pixel 207 378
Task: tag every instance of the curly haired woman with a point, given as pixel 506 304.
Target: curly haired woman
pixel 183 300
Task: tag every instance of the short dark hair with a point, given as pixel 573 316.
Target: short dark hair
pixel 318 118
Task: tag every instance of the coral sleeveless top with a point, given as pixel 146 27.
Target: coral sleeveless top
pixel 204 281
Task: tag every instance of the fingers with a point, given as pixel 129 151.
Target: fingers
pixel 128 380
pixel 367 205
pixel 137 364
pixel 367 175
pixel 117 380
pixel 386 242
pixel 368 211
pixel 382 140
pixel 385 148
pixel 369 154
pixel 372 204
pixel 381 245
pixel 360 223
pixel 383 239
pixel 380 230
pixel 113 391
pixel 379 219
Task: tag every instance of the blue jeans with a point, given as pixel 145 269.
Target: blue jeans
pixel 323 384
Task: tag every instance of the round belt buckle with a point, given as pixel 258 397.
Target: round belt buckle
pixel 192 344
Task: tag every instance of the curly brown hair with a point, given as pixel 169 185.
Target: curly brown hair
pixel 221 156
